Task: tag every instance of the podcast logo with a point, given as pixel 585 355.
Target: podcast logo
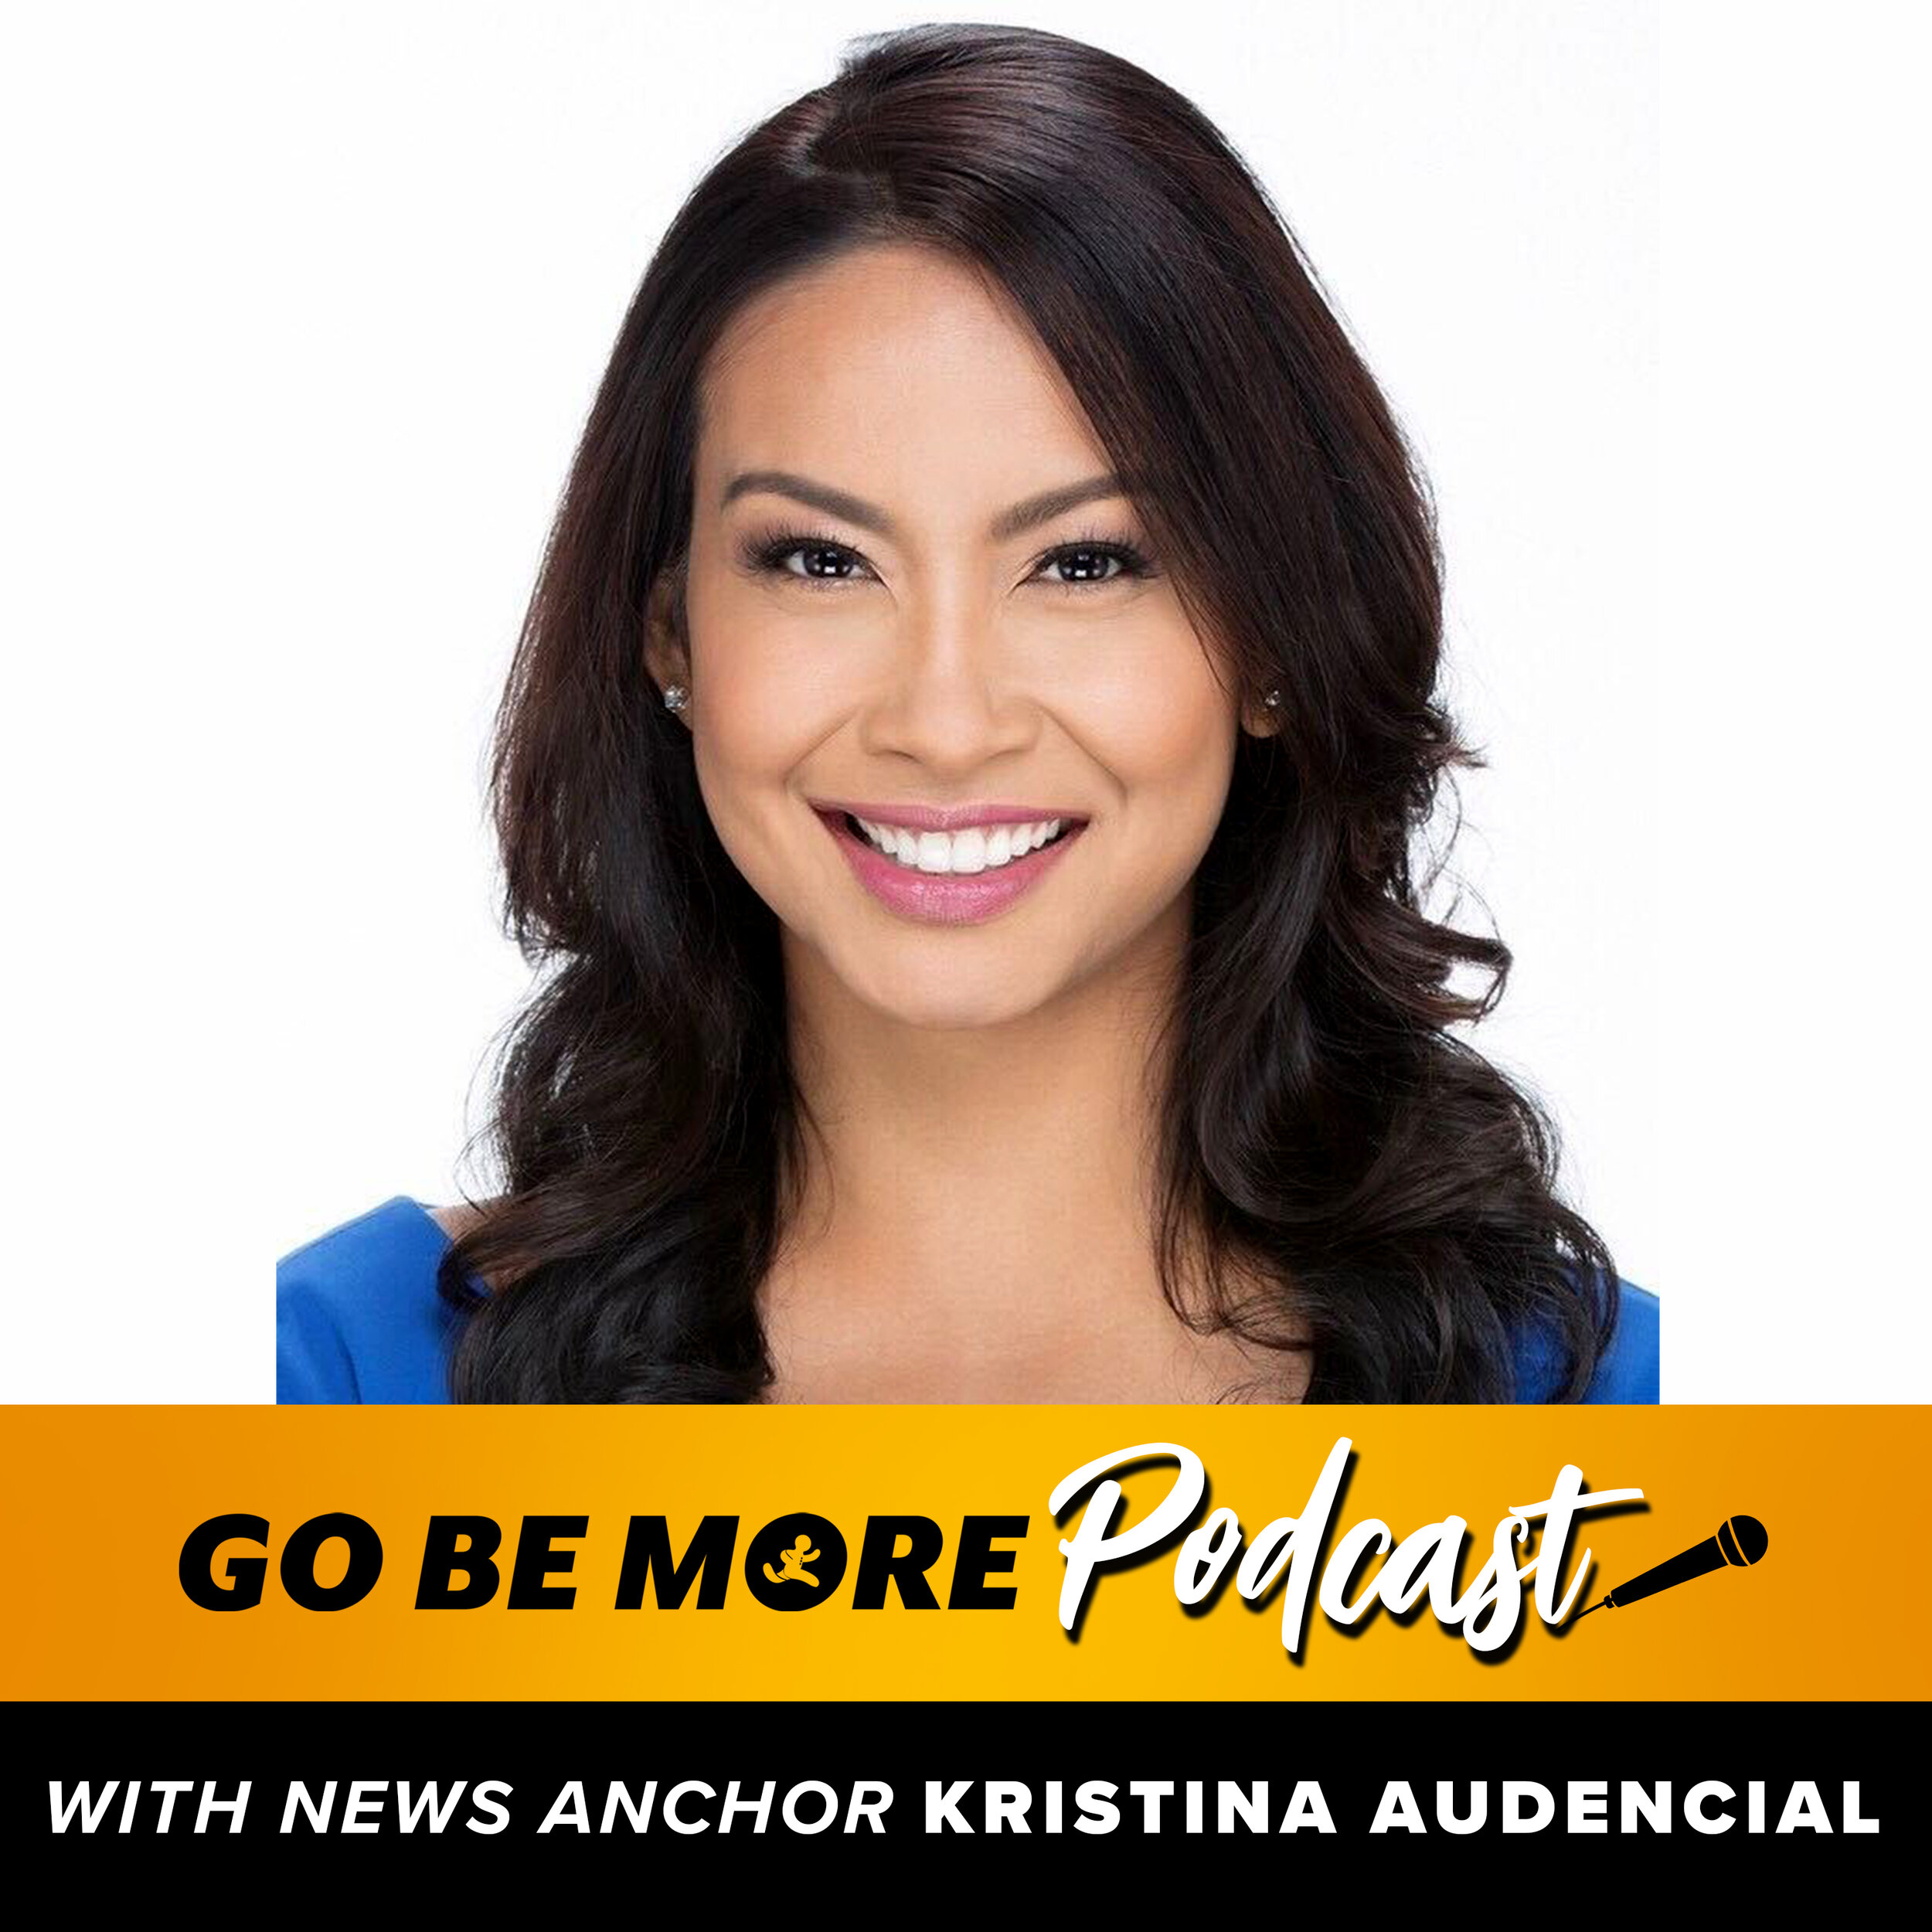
pixel 798 1561
pixel 1350 1575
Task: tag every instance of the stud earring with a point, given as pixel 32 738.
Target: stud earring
pixel 1273 698
pixel 676 697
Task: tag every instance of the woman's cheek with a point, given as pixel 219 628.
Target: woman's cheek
pixel 764 698
pixel 1164 729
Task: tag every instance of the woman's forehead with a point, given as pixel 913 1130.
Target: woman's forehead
pixel 892 370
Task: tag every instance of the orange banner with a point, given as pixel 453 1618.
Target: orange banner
pixel 1286 1523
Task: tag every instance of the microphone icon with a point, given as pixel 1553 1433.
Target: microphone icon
pixel 1740 1541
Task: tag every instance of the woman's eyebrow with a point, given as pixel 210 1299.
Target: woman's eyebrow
pixel 1010 521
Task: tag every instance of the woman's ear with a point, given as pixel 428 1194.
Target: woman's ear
pixel 1259 718
pixel 667 650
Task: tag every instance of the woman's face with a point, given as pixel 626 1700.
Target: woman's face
pixel 889 616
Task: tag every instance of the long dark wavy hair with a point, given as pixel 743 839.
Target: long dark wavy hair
pixel 1320 1122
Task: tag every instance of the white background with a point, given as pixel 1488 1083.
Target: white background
pixel 307 304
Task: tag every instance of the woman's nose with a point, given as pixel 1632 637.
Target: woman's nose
pixel 949 698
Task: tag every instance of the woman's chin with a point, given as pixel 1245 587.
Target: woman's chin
pixel 953 1003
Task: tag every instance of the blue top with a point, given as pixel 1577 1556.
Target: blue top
pixel 357 1319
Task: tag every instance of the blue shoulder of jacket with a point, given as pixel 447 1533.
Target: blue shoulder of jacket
pixel 1626 1371
pixel 357 1317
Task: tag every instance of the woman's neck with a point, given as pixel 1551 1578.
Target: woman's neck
pixel 986 1140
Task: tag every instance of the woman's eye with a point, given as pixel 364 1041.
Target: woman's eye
pixel 1088 563
pixel 813 563
pixel 822 562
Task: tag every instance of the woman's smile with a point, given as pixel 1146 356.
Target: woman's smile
pixel 955 865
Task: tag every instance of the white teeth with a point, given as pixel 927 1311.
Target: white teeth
pixel 972 849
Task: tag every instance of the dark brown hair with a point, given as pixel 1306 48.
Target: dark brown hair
pixel 1321 1123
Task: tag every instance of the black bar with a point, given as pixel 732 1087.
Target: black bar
pixel 1351 1751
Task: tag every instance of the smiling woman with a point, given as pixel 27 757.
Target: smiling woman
pixel 958 776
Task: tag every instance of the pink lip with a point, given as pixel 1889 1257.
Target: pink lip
pixel 944 817
pixel 945 899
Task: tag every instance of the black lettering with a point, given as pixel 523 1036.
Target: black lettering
pixel 536 1559
pixel 879 1562
pixel 647 1554
pixel 977 1560
pixel 298 1562
pixel 442 1560
pixel 198 1563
